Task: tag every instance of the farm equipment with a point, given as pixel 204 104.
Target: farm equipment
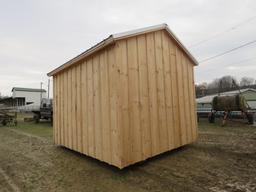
pixel 229 104
pixel 45 111
pixel 7 117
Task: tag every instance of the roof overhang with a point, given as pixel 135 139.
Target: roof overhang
pixel 115 37
pixel 27 89
pixel 209 98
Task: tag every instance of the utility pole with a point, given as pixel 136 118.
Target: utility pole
pixel 48 88
pixel 41 87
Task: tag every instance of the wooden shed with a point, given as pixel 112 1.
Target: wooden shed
pixel 128 98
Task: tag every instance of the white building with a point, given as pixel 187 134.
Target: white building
pixel 28 95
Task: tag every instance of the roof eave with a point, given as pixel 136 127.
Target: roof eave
pixel 132 33
pixel 28 89
pixel 115 37
pixel 181 45
pixel 136 32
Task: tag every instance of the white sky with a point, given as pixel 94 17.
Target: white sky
pixel 37 36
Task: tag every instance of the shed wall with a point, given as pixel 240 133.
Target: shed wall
pixel 157 96
pixel 128 102
pixel 85 108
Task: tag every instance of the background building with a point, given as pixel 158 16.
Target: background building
pixel 30 95
pixel 205 103
pixel 24 96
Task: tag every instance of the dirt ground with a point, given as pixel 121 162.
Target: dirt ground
pixel 223 159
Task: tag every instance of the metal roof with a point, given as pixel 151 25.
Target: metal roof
pixel 28 89
pixel 115 37
pixel 209 98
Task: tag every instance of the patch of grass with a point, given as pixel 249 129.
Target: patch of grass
pixel 235 126
pixel 42 129
pixel 21 116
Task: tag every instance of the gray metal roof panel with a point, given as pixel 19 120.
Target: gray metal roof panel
pixel 28 89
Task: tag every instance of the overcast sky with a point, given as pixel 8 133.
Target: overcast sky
pixel 37 36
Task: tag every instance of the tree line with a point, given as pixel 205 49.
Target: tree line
pixel 223 84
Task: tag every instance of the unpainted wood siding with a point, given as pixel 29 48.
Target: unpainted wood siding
pixel 85 108
pixel 156 96
pixel 131 101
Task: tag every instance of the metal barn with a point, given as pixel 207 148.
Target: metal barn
pixel 128 98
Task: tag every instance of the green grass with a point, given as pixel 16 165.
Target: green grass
pixel 21 116
pixel 42 129
pixel 236 126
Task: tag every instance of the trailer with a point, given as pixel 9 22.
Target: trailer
pixel 8 117
pixel 227 106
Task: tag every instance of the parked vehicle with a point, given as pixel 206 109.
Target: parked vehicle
pixel 45 111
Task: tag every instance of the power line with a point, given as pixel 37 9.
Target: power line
pixel 231 50
pixel 223 32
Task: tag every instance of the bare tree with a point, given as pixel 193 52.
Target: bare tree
pixel 214 84
pixel 227 83
pixel 247 81
pixel 223 84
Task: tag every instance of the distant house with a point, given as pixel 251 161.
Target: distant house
pixel 30 95
pixel 205 103
pixel 24 96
